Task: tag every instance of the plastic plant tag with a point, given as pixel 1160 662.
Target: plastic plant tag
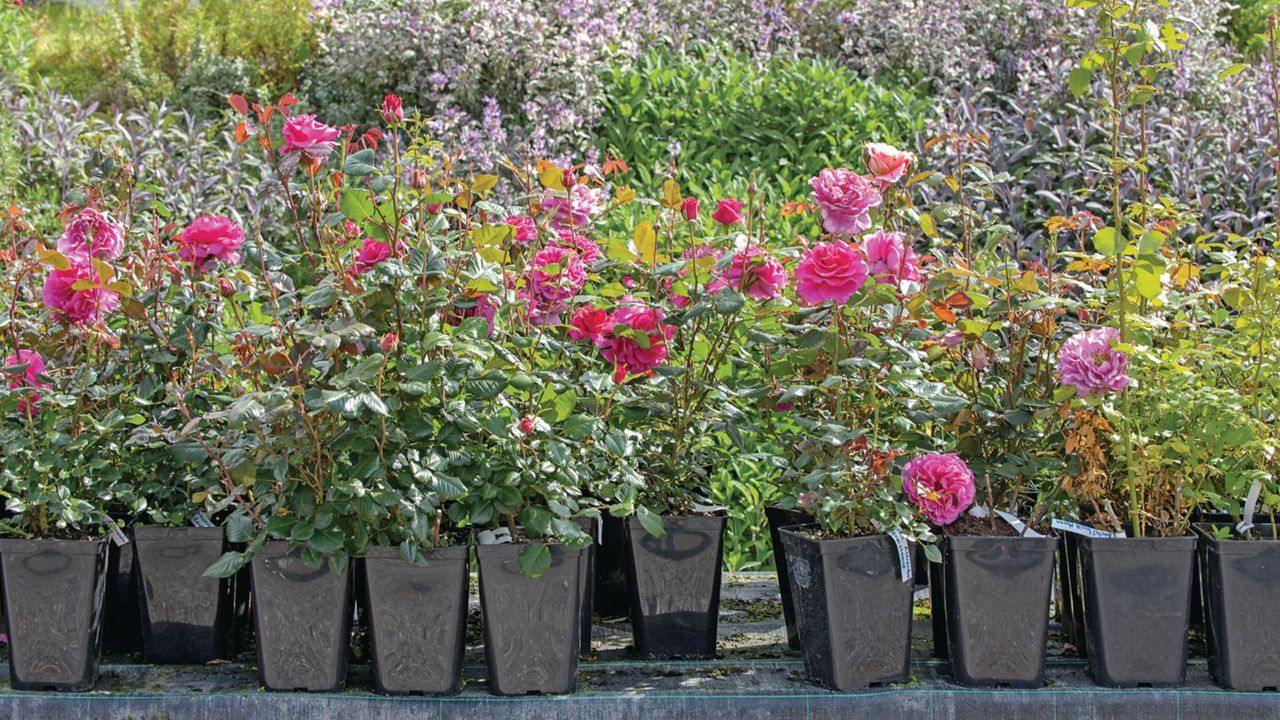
pixel 1017 524
pixel 1250 506
pixel 497 536
pixel 1085 530
pixel 904 554
pixel 201 520
pixel 113 529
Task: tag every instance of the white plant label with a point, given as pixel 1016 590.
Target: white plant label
pixel 904 554
pixel 1250 506
pixel 497 536
pixel 201 520
pixel 1017 524
pixel 117 535
pixel 1085 530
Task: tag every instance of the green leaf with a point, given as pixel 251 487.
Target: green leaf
pixel 932 552
pixel 1231 70
pixel 355 204
pixel 1104 241
pixel 577 427
pixel 1078 81
pixel 728 301
pixel 227 565
pixel 535 559
pixel 322 296
pixel 1147 274
pixel 650 521
pixel 359 164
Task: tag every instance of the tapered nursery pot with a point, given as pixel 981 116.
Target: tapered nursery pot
pixel 531 624
pixel 779 518
pixel 302 621
pixel 590 526
pixel 1070 599
pixel 417 619
pixel 186 617
pixel 53 593
pixel 853 609
pixel 610 596
pixel 121 626
pixel 1137 599
pixel 1242 584
pixel 675 586
pixel 996 592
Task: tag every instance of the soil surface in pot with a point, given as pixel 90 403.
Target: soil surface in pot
pixel 969 526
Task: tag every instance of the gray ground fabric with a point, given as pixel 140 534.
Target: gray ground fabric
pixel 756 677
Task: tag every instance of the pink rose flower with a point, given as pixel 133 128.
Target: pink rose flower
pixel 728 212
pixel 583 204
pixel 304 134
pixel 890 258
pixel 92 234
pixel 689 209
pixel 586 248
pixel 589 323
pixel 940 484
pixel 620 347
pixel 526 229
pixel 830 271
pixel 556 275
pixel 888 164
pixel 526 425
pixel 392 109
pixel 477 305
pixel 371 254
pixel 1090 362
pixel 79 307
pixel 846 200
pixel 753 272
pixel 209 238
pixel 28 378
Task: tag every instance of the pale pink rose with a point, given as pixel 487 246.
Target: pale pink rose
pixel 589 323
pixel 555 276
pixel 890 257
pixel 304 134
pixel 830 271
pixel 92 234
pixel 1089 362
pixel 940 484
pixel 753 272
pixel 583 204
pixel 371 254
pixel 209 238
pixel 846 200
pixel 888 164
pixel 79 307
pixel 27 380
pixel 525 228
pixel 620 347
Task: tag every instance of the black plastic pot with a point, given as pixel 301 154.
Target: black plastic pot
pixel 997 608
pixel 675 586
pixel 53 592
pixel 611 598
pixel 302 621
pixel 1070 601
pixel 121 627
pixel 853 610
pixel 1242 584
pixel 417 619
pixel 587 582
pixel 531 625
pixel 779 518
pixel 1137 599
pixel 186 617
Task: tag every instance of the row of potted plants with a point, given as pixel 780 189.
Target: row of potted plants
pixel 390 354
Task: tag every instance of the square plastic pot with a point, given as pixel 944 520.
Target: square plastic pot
pixel 779 518
pixel 675 586
pixel 853 610
pixel 186 617
pixel 53 593
pixel 1242 586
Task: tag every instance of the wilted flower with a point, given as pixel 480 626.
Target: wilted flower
pixel 845 199
pixel 1090 362
pixel 210 237
pixel 830 271
pixel 92 234
pixel 940 484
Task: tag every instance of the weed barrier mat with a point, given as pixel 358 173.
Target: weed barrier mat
pixel 754 677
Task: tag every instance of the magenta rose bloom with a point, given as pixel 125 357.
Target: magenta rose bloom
pixel 887 164
pixel 304 134
pixel 392 109
pixel 583 204
pixel 846 200
pixel 556 275
pixel 371 254
pixel 620 347
pixel 586 248
pixel 589 323
pixel 728 212
pixel 890 257
pixel 79 307
pixel 27 381
pixel 689 209
pixel 1089 361
pixel 477 305
pixel 940 484
pixel 92 234
pixel 526 229
pixel 830 271
pixel 753 272
pixel 209 238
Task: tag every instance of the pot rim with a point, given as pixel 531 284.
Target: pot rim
pixel 28 546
